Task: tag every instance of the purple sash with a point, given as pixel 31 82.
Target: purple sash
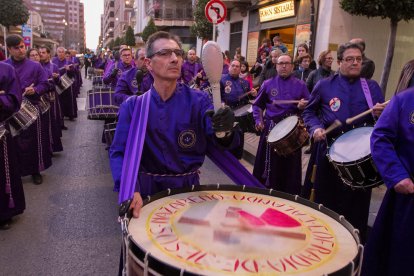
pixel 135 144
pixel 133 152
pixel 367 93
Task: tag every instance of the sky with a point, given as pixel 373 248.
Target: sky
pixel 93 11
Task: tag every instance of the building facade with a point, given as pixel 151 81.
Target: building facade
pixel 108 22
pixel 174 16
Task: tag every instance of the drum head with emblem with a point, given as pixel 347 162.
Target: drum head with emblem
pixel 219 232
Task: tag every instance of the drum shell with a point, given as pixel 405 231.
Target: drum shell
pixel 359 174
pixel 44 105
pixel 137 254
pixel 291 142
pixel 22 119
pixel 3 132
pixel 101 104
pixel 245 119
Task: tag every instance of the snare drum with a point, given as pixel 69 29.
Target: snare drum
pixel 44 104
pixel 65 83
pixel 350 154
pixel 109 132
pixel 232 230
pixel 3 132
pixel 288 136
pixel 244 116
pixel 101 104
pixel 23 118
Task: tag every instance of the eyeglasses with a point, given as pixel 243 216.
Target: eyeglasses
pixel 167 53
pixel 19 47
pixel 352 59
pixel 284 63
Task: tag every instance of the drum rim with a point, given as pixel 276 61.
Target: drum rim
pixel 287 134
pixel 168 269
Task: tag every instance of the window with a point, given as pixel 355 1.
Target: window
pixel 235 36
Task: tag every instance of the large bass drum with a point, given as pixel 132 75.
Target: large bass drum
pixel 233 230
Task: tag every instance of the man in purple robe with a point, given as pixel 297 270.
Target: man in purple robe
pixel 282 173
pixel 55 111
pixel 389 250
pixel 33 157
pixel 340 97
pixel 67 102
pixel 178 129
pixel 12 200
pixel 192 72
pixel 233 90
pixel 118 67
pixel 135 81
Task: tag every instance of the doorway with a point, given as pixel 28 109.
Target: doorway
pixel 287 34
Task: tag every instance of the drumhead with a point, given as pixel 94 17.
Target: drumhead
pixel 283 128
pixel 243 110
pixel 222 232
pixel 352 145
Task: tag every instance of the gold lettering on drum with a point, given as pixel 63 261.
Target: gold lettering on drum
pixel 171 225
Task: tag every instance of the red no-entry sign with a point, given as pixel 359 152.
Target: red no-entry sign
pixel 215 11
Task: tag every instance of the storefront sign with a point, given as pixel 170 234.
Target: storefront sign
pixel 277 11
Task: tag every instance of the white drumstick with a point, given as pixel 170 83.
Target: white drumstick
pixel 287 101
pixel 212 60
pixel 333 126
pixel 362 114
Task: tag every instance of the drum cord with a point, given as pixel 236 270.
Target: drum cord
pixel 7 170
pixel 267 169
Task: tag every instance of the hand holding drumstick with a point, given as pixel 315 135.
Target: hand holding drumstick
pixel 320 134
pixel 29 90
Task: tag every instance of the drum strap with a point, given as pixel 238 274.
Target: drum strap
pixel 367 93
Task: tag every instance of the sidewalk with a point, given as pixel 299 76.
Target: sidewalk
pixel 251 142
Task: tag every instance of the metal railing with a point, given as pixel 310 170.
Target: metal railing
pixel 172 14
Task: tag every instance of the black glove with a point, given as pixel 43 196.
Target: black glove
pixel 222 120
pixel 114 72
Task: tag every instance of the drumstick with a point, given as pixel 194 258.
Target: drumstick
pixel 2 92
pixel 61 68
pixel 287 101
pixel 333 126
pixel 24 94
pixel 360 115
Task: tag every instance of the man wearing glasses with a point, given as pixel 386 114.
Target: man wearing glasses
pixel 117 68
pixel 278 172
pixel 340 97
pixel 177 129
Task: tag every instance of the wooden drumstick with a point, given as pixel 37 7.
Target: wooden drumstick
pixel 360 115
pixel 245 94
pixel 333 126
pixel 287 101
pixel 61 68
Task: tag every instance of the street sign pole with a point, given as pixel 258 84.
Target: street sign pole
pixel 216 13
pixel 214 30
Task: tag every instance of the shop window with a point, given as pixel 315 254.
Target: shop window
pixel 235 36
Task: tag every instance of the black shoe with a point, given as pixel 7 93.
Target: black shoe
pixel 64 128
pixel 5 224
pixel 37 179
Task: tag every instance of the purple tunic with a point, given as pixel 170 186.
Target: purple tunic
pixel 389 250
pixel 176 139
pixel 231 90
pixel 127 85
pixel 55 110
pixel 278 172
pixel 333 98
pixel 33 143
pixel 68 97
pixel 189 71
pixel 12 200
pixel 108 79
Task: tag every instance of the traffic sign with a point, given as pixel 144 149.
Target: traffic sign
pixel 215 11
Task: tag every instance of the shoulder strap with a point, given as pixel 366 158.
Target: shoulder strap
pixel 134 147
pixel 367 93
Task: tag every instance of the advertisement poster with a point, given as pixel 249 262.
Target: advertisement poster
pixel 27 35
pixel 252 46
pixel 303 34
